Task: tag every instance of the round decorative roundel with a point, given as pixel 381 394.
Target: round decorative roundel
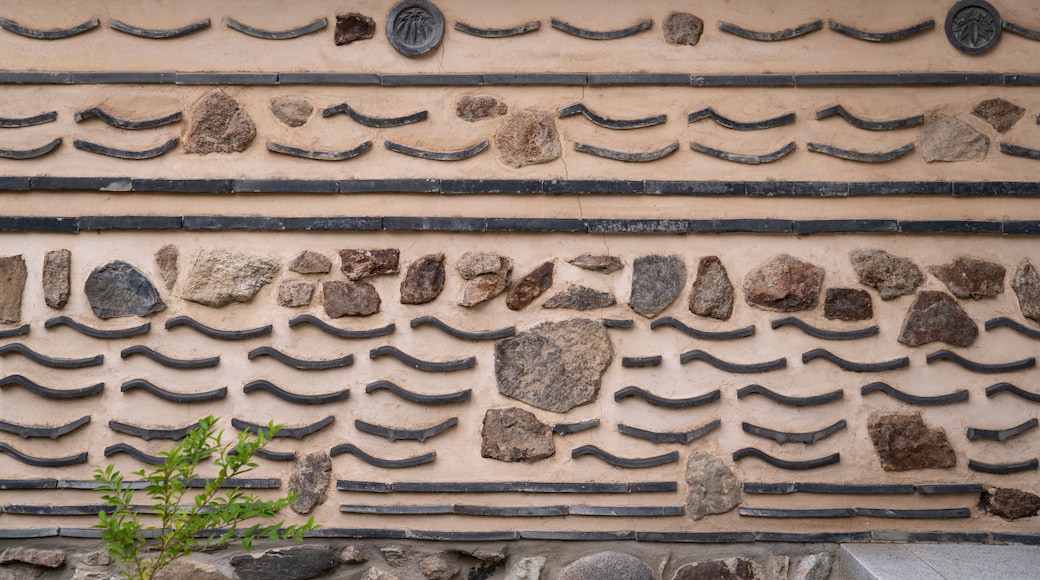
pixel 973 26
pixel 414 27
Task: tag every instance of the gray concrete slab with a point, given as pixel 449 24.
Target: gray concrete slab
pixel 882 562
pixel 937 562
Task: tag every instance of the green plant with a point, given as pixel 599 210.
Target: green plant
pixel 211 517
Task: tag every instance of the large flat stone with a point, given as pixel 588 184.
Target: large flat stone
pixel 527 138
pixel 936 317
pixel 784 284
pixel 903 442
pixel 515 435
pixel 971 278
pixel 218 277
pixel 713 487
pixel 606 566
pixel 656 283
pixel 946 138
pixel 296 563
pixel 219 125
pixel 118 289
pixel 892 276
pixel 12 285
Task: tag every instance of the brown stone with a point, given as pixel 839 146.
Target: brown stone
pixel 189 570
pixel 424 280
pixel 580 298
pixel 33 556
pixel 515 435
pixel 1026 285
pixel 486 275
pixel 936 317
pixel 784 284
pixel 712 292
pixel 295 293
pixel 713 487
pixel 1010 504
pixel 219 125
pixel 292 111
pixel 656 283
pixel 350 298
pixel 971 278
pixel 999 113
pixel 948 139
pixel 358 264
pixel 309 262
pixel 57 269
pixel 527 138
pixel 12 285
pixel 166 258
pixel 848 304
pixel 554 366
pixel 601 263
pixel 353 26
pixel 683 28
pixel 890 275
pixel 730 569
pixel 904 442
pixel 218 278
pixel 309 479
pixel 525 289
pixel 439 567
pixel 474 108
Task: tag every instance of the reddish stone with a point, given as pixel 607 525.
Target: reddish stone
pixel 971 278
pixel 526 289
pixel 1010 504
pixel 784 284
pixel 513 435
pixel 474 108
pixel 219 125
pixel 999 113
pixel 424 280
pixel 358 264
pixel 350 298
pixel 353 26
pixel 904 442
pixel 848 304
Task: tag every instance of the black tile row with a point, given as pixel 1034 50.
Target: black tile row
pixel 503 487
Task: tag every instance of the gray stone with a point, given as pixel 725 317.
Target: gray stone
pixel 473 264
pixel 190 570
pixel 848 304
pixel 1026 285
pixel 527 138
pixel 219 125
pixel 778 566
pixel 515 435
pixel 892 276
pixel 309 262
pixel 79 574
pixel 812 567
pixel 948 139
pixel 999 113
pixel 729 569
pixel 295 563
pixel 12 285
pixel 57 269
pixel 656 283
pixel 486 556
pixel 606 566
pixel 712 292
pixel 350 298
pixel 309 479
pixel 118 289
pixel 683 28
pixel 295 293
pixel 396 556
pixel 352 555
pixel 580 298
pixel 352 27
pixel 1010 504
pixel 903 442
pixel 358 264
pixel 784 284
pixel 166 258
pixel 971 278
pixel 554 366
pixel 600 263
pixel 439 567
pixel 713 487
pixel 21 572
pixel 526 569
pixel 424 280
pixel 475 108
pixel 486 275
pixel 98 558
pixel 33 556
pixel 292 111
pixel 936 317
pixel 374 573
pixel 526 288
pixel 218 278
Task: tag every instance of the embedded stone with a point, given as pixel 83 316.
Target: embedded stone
pixel 486 275
pixel 309 262
pixel 474 108
pixel 712 292
pixel 606 566
pixel 713 487
pixel 353 26
pixel 848 304
pixel 971 278
pixel 295 293
pixel 1026 285
pixel 424 280
pixel 999 113
pixel 12 284
pixel 218 278
pixel 358 264
pixel 525 289
pixel 601 263
pixel 526 569
pixel 729 569
pixel 473 264
pixel 904 442
pixel 350 298
pixel 292 111
pixel 190 570
pixel 1010 504
pixel 683 28
pixel 948 139
pixel 219 125
pixel 527 138
pixel 18 571
pixel 118 289
pixel 57 269
pixel 33 556
pixel 936 317
pixel 656 283
pixel 580 298
pixel 784 284
pixel 309 479
pixel 438 567
pixel 166 258
pixel 396 556
pixel 554 366
pixel 97 558
pixel 352 555
pixel 374 573
pixel 812 567
pixel 515 435
pixel 890 275
pixel 295 563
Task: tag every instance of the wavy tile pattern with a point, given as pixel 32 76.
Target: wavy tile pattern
pixel 22 154
pixel 370 121
pixel 763 367
pixel 785 34
pixel 395 434
pixel 315 26
pixel 743 158
pixel 51 362
pixel 437 155
pixel 607 122
pixel 97 332
pixel 168 361
pixel 498 32
pixel 341 332
pixel 15 122
pixel 683 437
pixel 120 123
pixel 890 36
pixel 318 155
pixel 867 124
pixel 148 434
pixel 891 365
pixel 172 396
pixel 125 153
pixel 16 331
pixel 505 332
pixel 860 156
pixel 625 462
pixel 56 34
pixel 294 432
pixel 301 364
pixel 218 333
pixel 644 157
pixel 568 428
pixel 456 397
pixel 823 333
pixel 601 35
pixel 133 452
pixel 262 385
pixel 975 434
pixel 782 437
pixel 380 462
pixel 1013 325
pixel 710 113
pixel 27 431
pixel 703 334
pixel 879 387
pixel 1003 468
pixel 1022 30
pixel 976 367
pixel 1009 388
pixel 158 34
pixel 784 463
pixel 633 391
pixel 810 401
pixel 422 365
pixel 43 461
pixel 49 392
